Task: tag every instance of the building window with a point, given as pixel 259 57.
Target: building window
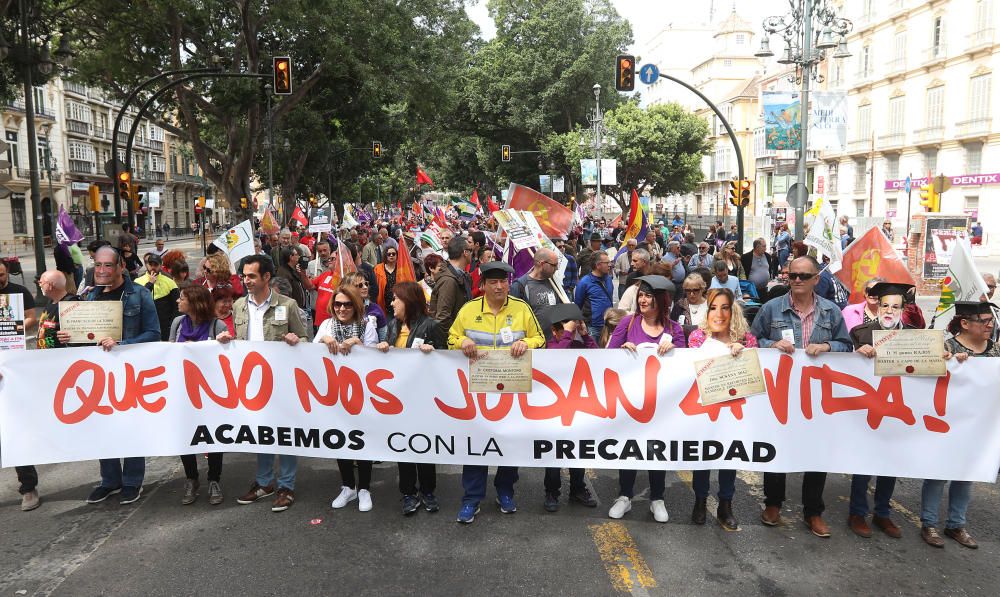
pixel 892 167
pixel 838 71
pixel 831 173
pixel 899 48
pixel 77 111
pixel 972 207
pixel 859 208
pixel 937 37
pixel 158 164
pixel 741 39
pixel 155 133
pixel 864 123
pixel 935 107
pixel 12 150
pixel 896 112
pixel 81 151
pixel 18 215
pixel 860 175
pixel 973 158
pixel 865 64
pixel 727 62
pixel 890 205
pixel 38 95
pixel 979 97
pixel 930 160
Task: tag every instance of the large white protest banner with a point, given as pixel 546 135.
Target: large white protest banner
pixel 588 408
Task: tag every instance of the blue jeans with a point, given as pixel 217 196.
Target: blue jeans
pixel 474 482
pixel 287 466
pixel 884 487
pixel 727 484
pixel 959 496
pixel 114 474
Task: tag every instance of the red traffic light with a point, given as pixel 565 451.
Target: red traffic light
pixel 625 73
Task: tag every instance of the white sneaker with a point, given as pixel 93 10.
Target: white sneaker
pixel 347 495
pixel 364 500
pixel 659 510
pixel 620 507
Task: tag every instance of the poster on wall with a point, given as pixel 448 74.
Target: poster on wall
pixel 11 322
pixel 941 233
pixel 782 121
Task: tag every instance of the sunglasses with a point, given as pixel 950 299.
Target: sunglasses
pixel 361 285
pixel 801 276
pixel 693 289
pixel 340 305
pixel 390 254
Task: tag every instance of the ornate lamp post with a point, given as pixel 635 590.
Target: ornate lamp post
pixel 597 139
pixel 809 29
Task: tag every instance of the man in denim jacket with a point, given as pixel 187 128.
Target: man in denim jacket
pixel 140 323
pixel 800 320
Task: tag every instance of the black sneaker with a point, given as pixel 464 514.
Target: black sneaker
pixel 410 504
pixel 102 493
pixel 551 502
pixel 583 497
pixel 129 495
pixel 430 502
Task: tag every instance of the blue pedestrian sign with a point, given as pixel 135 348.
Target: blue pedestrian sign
pixel 648 74
pixel 908 185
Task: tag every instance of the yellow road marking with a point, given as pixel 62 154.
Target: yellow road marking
pixel 625 565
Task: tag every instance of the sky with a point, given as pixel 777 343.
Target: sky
pixel 649 16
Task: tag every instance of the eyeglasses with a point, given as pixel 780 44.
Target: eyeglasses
pixel 361 285
pixel 988 322
pixel 801 276
pixel 556 264
pixel 690 290
pixel 207 270
pixel 340 305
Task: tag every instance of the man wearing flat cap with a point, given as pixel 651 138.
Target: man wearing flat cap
pixel 493 321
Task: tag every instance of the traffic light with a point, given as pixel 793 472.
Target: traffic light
pixel 734 192
pixel 124 187
pixel 744 193
pixel 243 203
pixel 505 153
pixel 376 149
pixel 199 204
pixel 282 75
pixel 136 204
pixel 313 201
pixel 625 73
pixel 94 198
pixel 930 198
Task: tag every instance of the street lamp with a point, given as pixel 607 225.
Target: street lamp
pixel 806 49
pixel 597 139
pixel 31 51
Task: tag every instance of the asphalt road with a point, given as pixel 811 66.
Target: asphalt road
pixel 159 547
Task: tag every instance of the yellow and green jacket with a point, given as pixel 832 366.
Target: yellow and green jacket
pixel 477 322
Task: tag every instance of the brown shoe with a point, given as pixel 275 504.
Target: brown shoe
pixel 962 537
pixel 284 500
pixel 771 516
pixel 887 526
pixel 931 537
pixel 30 501
pixel 256 493
pixel 819 528
pixel 859 525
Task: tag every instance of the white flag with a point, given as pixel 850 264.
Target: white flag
pixel 237 242
pixel 823 233
pixel 963 282
pixel 349 221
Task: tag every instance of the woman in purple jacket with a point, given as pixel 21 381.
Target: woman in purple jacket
pixel 649 326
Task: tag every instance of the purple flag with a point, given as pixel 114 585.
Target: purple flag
pixel 66 231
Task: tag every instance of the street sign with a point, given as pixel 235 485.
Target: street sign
pixel 649 73
pixel 942 183
pixel 908 185
pixel 797 195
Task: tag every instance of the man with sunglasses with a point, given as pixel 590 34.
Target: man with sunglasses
pixel 800 320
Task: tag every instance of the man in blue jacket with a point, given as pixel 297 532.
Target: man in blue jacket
pixel 800 320
pixel 140 323
pixel 595 291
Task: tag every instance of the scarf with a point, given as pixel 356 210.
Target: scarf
pixel 189 333
pixel 343 331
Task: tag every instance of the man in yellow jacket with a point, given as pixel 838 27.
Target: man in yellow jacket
pixel 493 321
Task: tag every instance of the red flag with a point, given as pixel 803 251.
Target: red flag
pixel 475 199
pixel 399 205
pixel 404 265
pixel 868 257
pixel 300 217
pixel 492 204
pixel 439 217
pixel 615 222
pixel 422 177
pixel 554 218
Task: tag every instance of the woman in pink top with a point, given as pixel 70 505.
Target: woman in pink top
pixel 649 325
pixel 725 323
pixel 863 312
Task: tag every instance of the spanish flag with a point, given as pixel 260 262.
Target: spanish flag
pixel 638 225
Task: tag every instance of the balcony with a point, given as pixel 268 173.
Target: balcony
pixel 102 133
pixel 178 177
pixel 896 7
pixel 25 173
pixel 18 106
pixel 976 127
pixel 74 87
pixel 891 141
pixel 81 167
pixel 862 77
pixel 935 55
pixel 862 145
pixel 156 146
pixel 929 135
pixel 896 67
pixel 78 127
pixel 980 40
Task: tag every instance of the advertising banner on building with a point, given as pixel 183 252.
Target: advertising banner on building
pixel 587 408
pixel 782 120
pixel 827 121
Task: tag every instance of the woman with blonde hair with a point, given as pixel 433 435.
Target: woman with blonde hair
pixel 217 272
pixel 724 323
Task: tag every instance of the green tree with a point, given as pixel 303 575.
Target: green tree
pixel 659 149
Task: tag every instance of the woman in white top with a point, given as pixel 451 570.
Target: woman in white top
pixel 349 327
pixel 692 308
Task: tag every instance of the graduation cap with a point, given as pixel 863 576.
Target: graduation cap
pixel 658 283
pixel 563 312
pixel 495 270
pixel 889 288
pixel 969 308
